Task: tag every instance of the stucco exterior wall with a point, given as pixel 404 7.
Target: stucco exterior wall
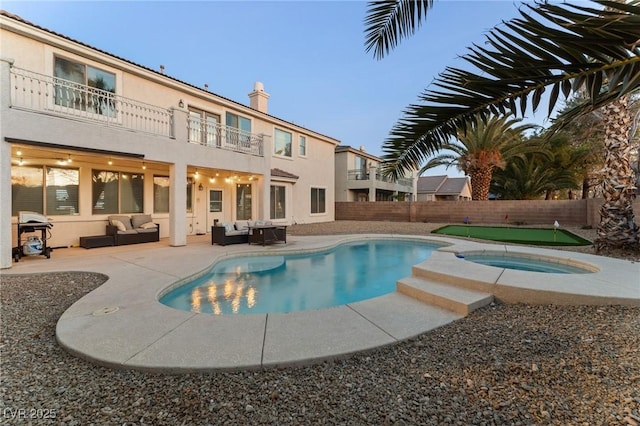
pixel 50 132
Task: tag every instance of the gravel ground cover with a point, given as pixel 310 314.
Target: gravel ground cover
pixel 504 364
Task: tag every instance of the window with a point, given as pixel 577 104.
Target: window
pixel 62 191
pixel 302 146
pixel 161 194
pixel 26 189
pixel 282 143
pixel 278 204
pixel 361 168
pixel 117 192
pixel 204 128
pixel 74 93
pixel 238 131
pixel 190 188
pixel 47 190
pixel 243 202
pixel 215 201
pixel 318 200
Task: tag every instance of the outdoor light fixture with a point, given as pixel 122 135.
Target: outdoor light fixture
pixel 196 174
pixel 20 162
pixel 181 103
pixel 69 158
pixel 200 187
pixel 144 166
pixel 110 162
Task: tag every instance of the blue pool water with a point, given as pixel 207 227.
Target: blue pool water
pixel 525 264
pixel 278 284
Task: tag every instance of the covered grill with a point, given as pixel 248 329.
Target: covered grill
pixel 32 245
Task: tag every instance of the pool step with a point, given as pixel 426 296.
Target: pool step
pixel 461 301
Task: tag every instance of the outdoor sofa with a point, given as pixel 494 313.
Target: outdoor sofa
pixel 233 233
pixel 138 228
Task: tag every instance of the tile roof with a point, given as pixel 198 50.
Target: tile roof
pixel 283 174
pixel 441 185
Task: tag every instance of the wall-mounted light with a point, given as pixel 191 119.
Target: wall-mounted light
pixel 196 174
pixel 18 152
pixel 20 161
pixel 69 158
pixel 181 103
pixel 144 166
pixel 200 187
pixel 110 162
pixel 212 180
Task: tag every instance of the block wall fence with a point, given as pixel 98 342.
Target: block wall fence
pixel 530 212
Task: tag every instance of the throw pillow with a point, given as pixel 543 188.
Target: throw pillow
pixel 139 219
pixel 118 225
pixel 148 225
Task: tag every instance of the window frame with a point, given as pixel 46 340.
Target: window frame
pixel 97 100
pixel 277 191
pixel 121 176
pixel 302 145
pixel 276 131
pixel 319 190
pixel 168 192
pixel 205 135
pixel 40 172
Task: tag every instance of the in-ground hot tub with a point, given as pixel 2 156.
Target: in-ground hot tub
pixel 528 262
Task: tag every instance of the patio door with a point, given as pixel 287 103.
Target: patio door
pixel 215 207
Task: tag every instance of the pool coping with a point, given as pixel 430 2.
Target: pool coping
pixel 121 324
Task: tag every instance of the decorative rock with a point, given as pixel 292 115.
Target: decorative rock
pixel 557 379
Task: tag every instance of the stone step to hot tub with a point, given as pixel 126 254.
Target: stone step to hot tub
pixel 461 301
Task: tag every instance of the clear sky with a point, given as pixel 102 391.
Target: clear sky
pixel 309 55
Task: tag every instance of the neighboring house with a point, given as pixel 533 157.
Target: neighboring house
pixel 444 188
pixel 85 134
pixel 358 178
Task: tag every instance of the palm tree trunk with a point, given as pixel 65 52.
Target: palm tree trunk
pixel 480 183
pixel 617 226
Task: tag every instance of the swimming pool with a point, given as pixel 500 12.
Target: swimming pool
pixel 526 263
pixel 278 284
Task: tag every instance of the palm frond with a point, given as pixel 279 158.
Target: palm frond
pixel 389 21
pixel 563 47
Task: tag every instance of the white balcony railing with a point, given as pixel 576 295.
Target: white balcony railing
pixel 216 135
pixel 365 175
pixel 52 95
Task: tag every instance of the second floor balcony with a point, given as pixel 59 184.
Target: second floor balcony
pixel 54 96
pixel 365 175
pixel 216 135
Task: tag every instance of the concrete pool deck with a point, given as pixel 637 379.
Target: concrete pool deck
pixel 121 324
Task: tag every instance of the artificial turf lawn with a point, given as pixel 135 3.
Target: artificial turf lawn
pixel 507 234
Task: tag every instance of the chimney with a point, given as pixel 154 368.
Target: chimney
pixel 258 99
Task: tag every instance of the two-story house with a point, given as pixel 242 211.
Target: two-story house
pixel 359 178
pixel 85 134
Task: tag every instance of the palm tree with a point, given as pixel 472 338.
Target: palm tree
pixel 529 179
pixel 541 173
pixel 482 148
pixel 564 47
pixel 586 133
